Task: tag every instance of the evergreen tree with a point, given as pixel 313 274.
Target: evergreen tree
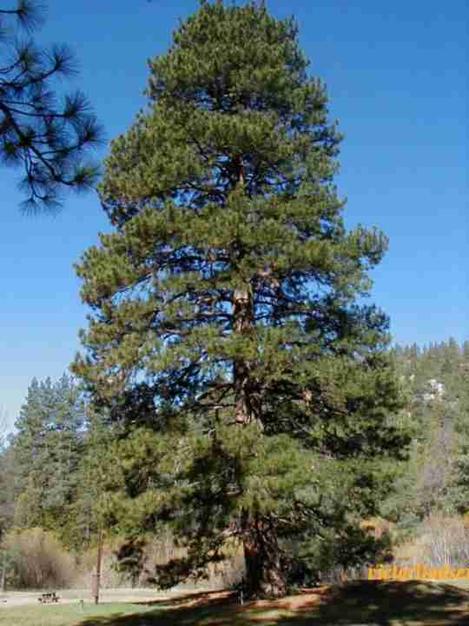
pixel 86 520
pixel 435 478
pixel 47 450
pixel 247 380
pixel 7 472
pixel 47 138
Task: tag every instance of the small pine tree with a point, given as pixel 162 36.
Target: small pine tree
pixel 229 339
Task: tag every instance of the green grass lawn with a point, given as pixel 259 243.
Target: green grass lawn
pixel 375 603
pixel 68 614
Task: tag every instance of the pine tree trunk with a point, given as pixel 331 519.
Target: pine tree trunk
pixel 242 324
pixel 265 577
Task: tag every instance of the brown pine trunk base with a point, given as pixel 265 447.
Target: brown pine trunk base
pixel 265 577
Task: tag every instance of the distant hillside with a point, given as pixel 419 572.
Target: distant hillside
pixel 435 481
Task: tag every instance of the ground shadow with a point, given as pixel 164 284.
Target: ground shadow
pixel 388 604
pixel 370 603
pixel 196 598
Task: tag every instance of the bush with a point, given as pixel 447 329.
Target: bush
pixel 38 560
pixel 440 541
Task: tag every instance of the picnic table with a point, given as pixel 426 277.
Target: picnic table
pixel 48 598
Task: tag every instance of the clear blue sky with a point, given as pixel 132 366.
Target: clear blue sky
pixel 397 74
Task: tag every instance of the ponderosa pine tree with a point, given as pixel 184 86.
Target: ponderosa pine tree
pixel 229 338
pixel 43 134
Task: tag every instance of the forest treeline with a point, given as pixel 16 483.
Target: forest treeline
pixel 57 466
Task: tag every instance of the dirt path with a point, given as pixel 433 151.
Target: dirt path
pixel 72 596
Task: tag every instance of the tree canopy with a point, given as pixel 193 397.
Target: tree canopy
pixel 230 341
pixel 46 450
pixel 436 478
pixel 46 135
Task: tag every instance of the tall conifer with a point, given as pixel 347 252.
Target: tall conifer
pixel 46 450
pixel 228 337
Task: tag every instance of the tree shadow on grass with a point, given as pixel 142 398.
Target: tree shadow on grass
pixel 389 604
pixel 360 603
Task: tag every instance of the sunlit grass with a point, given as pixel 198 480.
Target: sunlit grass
pixel 65 615
pixel 411 603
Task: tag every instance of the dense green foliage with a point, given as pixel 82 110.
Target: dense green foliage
pixel 47 449
pixel 433 482
pixel 7 494
pixel 251 388
pixel 436 476
pixel 45 137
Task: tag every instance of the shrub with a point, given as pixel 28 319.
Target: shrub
pixel 38 560
pixel 440 541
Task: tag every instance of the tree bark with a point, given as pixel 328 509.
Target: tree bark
pixel 97 578
pixel 265 576
pixel 243 323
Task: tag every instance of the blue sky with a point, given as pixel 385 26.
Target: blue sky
pixel 397 75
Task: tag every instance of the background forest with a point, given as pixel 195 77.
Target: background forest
pixel 57 462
